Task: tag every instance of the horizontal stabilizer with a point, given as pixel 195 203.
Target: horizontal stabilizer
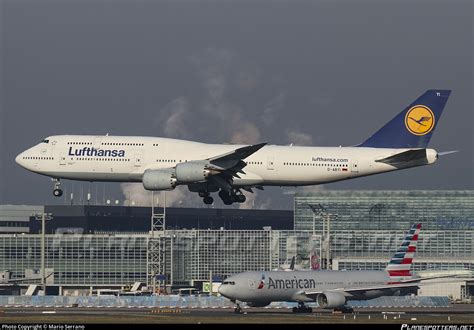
pixel 404 157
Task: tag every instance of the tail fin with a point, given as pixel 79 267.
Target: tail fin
pixel 399 266
pixel 314 260
pixel 413 127
pixel 292 265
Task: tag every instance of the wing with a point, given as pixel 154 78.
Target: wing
pixel 424 119
pixel 409 283
pixel 354 291
pixel 234 157
pixel 228 165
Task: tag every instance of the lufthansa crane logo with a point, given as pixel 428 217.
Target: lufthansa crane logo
pixel 419 120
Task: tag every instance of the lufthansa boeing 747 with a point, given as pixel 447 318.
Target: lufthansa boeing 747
pixel 163 163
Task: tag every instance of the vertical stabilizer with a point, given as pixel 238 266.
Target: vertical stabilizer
pixel 414 126
pixel 399 266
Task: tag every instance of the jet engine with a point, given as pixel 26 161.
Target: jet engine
pixel 191 172
pixel 331 300
pixel 258 304
pixel 162 179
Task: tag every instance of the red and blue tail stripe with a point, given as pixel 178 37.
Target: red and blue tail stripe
pixel 399 266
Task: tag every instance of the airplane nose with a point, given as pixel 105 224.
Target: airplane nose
pixel 222 290
pixel 19 159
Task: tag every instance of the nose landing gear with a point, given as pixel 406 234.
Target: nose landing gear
pixel 237 309
pixel 57 192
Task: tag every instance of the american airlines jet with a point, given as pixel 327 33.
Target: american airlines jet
pixel 163 164
pixel 330 289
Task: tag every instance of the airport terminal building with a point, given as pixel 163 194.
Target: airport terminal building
pixel 366 226
pixel 346 229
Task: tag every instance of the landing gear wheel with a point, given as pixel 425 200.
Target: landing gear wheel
pixel 226 198
pixel 223 194
pixel 208 200
pixel 302 309
pixel 237 309
pixel 57 192
pixel 241 198
pixel 347 310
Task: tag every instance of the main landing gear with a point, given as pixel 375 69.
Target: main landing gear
pixel 302 308
pixel 228 197
pixel 207 199
pixel 233 196
pixel 57 192
pixel 343 310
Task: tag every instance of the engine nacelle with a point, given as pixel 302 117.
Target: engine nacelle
pixel 159 179
pixel 191 172
pixel 258 304
pixel 331 300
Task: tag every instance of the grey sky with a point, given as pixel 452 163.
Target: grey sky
pixel 310 72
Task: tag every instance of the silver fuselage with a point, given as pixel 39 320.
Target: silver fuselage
pixel 268 286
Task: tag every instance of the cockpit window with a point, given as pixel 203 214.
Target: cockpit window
pixel 45 141
pixel 229 282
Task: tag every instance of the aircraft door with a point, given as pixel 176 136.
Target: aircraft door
pixel 138 160
pixel 62 159
pixel 252 285
pixel 97 142
pixel 354 167
pixel 270 163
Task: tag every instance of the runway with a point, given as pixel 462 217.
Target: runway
pixel 455 314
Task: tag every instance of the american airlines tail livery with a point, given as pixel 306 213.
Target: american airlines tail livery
pixel 330 289
pixel 162 163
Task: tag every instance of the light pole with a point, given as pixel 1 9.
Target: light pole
pixel 43 217
pixel 315 210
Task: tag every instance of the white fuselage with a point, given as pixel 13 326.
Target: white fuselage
pixel 268 286
pixel 125 158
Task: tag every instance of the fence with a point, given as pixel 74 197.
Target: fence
pixel 173 301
